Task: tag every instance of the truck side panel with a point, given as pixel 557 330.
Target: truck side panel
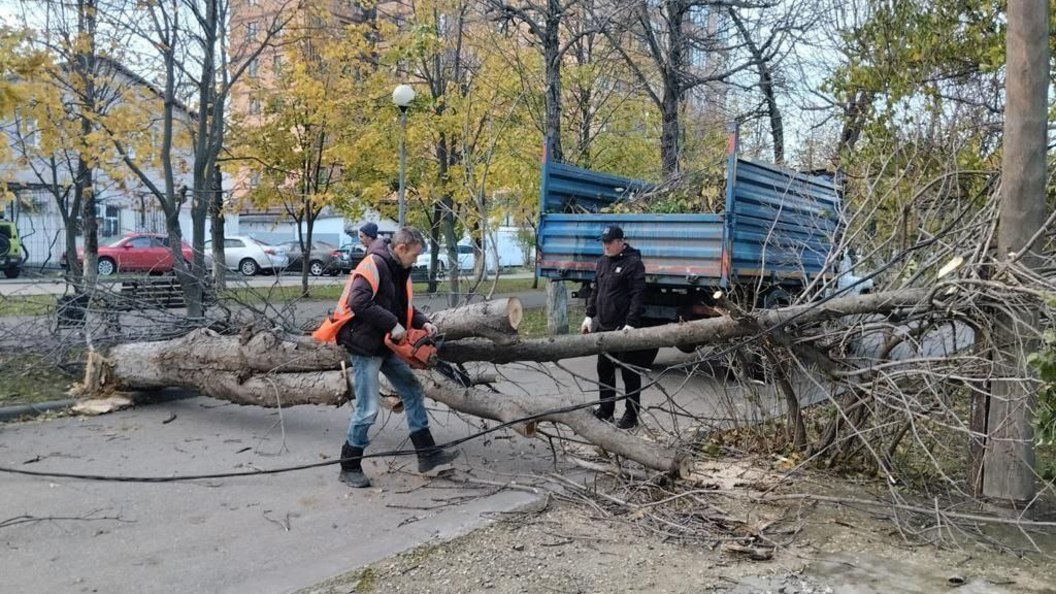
pixel 783 224
pixel 677 250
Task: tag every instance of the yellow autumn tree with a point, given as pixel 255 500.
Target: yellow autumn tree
pixel 312 137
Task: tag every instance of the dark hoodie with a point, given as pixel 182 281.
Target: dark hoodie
pixel 377 315
pixel 619 283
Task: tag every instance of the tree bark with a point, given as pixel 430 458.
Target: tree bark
pixel 497 320
pixel 556 308
pixel 688 334
pixel 1008 464
pixel 265 370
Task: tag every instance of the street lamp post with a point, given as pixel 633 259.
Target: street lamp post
pixel 402 96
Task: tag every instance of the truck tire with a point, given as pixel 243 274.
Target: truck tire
pixel 12 272
pixel 776 298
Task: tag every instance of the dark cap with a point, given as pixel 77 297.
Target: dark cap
pixel 370 230
pixel 611 232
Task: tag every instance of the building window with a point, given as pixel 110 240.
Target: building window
pixel 251 2
pixel 276 64
pixel 253 68
pixel 254 106
pixel 254 179
pixel 251 29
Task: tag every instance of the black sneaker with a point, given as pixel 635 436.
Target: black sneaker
pixel 602 415
pixel 627 421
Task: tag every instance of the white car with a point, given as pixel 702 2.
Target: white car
pixel 249 256
pixel 465 260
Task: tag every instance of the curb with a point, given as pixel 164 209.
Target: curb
pixel 20 411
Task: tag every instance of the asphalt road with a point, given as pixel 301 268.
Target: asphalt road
pixel 56 286
pixel 275 533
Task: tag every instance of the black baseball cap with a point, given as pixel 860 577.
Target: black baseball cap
pixel 610 233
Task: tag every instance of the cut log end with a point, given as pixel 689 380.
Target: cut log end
pixel 514 312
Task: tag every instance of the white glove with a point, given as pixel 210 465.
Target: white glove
pixel 397 333
pixel 431 328
pixel 585 327
pixel 627 327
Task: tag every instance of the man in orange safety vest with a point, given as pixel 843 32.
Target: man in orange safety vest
pixel 378 301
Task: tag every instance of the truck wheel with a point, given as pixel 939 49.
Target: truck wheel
pixel 12 272
pixel 775 298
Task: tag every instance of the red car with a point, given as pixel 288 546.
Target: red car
pixel 136 252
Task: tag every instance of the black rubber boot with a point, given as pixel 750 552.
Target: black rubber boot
pixel 629 420
pixel 352 467
pixel 429 456
pixel 602 414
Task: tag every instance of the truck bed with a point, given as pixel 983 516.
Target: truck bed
pixel 778 225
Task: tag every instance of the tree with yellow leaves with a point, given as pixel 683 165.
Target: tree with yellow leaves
pixel 317 142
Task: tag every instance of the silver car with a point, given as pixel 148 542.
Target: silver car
pixel 249 256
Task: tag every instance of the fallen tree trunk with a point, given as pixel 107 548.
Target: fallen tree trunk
pixel 688 334
pixel 159 365
pixel 272 369
pixel 496 320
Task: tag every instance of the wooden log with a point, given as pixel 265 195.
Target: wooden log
pixel 165 364
pixel 496 320
pixel 688 334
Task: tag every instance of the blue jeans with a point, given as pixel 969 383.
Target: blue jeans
pixel 365 378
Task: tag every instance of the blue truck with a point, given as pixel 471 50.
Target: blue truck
pixel 776 235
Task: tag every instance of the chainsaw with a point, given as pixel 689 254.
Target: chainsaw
pixel 419 349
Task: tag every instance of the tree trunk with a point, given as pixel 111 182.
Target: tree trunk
pixel 556 308
pixel 216 214
pixel 670 134
pixel 250 371
pixel 497 320
pixel 688 334
pixel 552 64
pixel 454 270
pixel 84 184
pixel 1008 465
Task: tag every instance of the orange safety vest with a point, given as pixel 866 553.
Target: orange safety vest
pixel 342 314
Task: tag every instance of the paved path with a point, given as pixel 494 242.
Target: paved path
pixel 277 533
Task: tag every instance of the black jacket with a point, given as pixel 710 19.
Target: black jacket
pixel 619 284
pixel 377 315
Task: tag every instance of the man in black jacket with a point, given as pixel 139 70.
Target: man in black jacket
pixel 615 303
pixel 380 296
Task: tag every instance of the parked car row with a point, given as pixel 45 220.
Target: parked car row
pixel 150 253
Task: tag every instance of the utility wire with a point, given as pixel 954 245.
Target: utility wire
pixel 285 469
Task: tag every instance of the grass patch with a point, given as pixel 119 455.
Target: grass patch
pixel 26 305
pixel 284 294
pixel 30 378
pixel 504 285
pixel 533 325
pixel 1045 457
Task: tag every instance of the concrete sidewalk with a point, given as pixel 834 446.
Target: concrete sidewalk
pixel 278 533
pixel 259 534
